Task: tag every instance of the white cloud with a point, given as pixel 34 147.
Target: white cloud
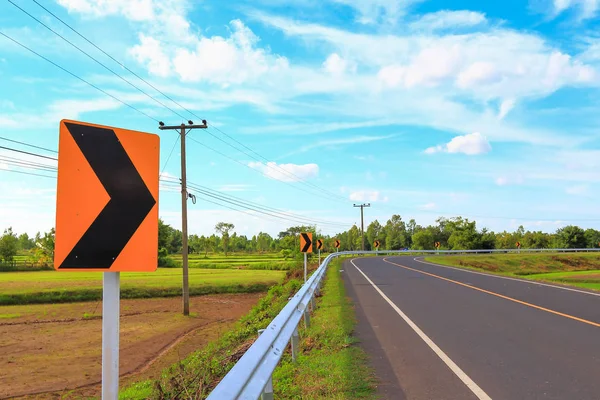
pixel 340 142
pixel 151 53
pixel 479 73
pixel 367 195
pixel 286 172
pixel 337 66
pixel 505 180
pixel 578 190
pixel 446 19
pixel 72 109
pixel 375 11
pixel 505 107
pixel 524 64
pixel 428 68
pixel 587 8
pixel 135 10
pixel 226 60
pixel 166 18
pixel 427 206
pixel 471 144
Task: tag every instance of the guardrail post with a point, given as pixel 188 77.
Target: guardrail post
pixel 267 393
pixel 306 317
pixel 295 342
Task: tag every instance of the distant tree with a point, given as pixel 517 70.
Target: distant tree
pixel 263 241
pixel 487 239
pixel 423 240
pixel 592 238
pixel 25 242
pixel 223 228
pixel 535 240
pixel 164 231
pixel 396 236
pixel 374 232
pixel 9 244
pixel 571 237
pixel 44 247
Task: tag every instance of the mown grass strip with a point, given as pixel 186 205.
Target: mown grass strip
pixel 579 270
pixel 331 365
pixel 522 264
pixel 85 294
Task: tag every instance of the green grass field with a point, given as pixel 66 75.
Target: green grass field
pixel 266 261
pixel 576 269
pixel 53 286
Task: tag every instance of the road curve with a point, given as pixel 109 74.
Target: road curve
pixel 435 332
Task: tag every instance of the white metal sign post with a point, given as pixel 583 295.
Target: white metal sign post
pixel 319 256
pixel 305 268
pixel 110 335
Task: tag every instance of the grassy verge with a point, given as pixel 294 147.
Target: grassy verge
pixel 523 264
pixel 63 287
pixel 581 270
pixel 330 365
pixel 196 375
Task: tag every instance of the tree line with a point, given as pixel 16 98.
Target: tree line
pixel 452 233
pixel 462 234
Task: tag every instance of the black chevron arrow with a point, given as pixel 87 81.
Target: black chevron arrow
pixel 129 204
pixel 319 244
pixel 307 243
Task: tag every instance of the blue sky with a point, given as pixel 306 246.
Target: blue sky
pixel 421 107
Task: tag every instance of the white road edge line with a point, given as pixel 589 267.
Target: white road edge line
pixel 508 278
pixel 477 391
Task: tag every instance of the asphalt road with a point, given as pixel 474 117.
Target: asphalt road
pixel 436 332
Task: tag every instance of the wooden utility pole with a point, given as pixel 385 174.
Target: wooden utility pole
pixel 362 223
pixel 184 196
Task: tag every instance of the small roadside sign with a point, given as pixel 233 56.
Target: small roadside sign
pixel 306 242
pixel 336 244
pixel 376 244
pixel 319 244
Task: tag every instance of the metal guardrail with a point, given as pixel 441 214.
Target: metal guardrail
pixel 250 377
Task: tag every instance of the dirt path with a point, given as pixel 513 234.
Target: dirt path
pixel 46 351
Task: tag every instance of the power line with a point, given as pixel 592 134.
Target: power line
pixel 29 145
pixel 283 170
pixel 76 76
pixel 253 169
pixel 260 206
pixel 96 61
pixel 2 155
pixel 170 154
pixel 26 152
pixel 196 186
pixel 290 174
pixel 27 173
pixel 27 165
